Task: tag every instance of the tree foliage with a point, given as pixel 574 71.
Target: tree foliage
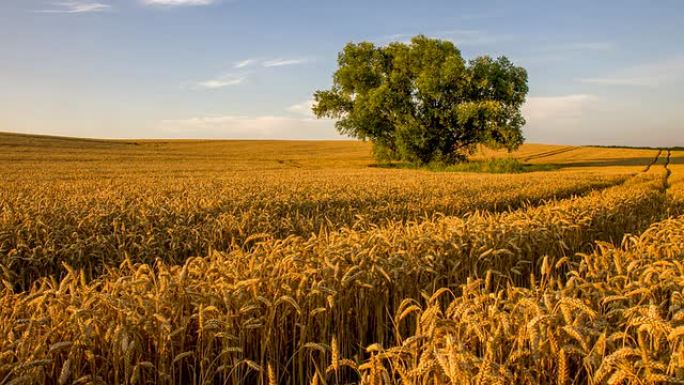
pixel 422 102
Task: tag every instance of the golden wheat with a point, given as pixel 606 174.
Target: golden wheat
pixel 244 310
pixel 91 224
pixel 160 263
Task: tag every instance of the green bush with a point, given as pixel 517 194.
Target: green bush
pixel 490 166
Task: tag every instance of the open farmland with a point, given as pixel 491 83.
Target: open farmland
pixel 234 262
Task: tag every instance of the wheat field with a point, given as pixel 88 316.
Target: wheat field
pixel 266 262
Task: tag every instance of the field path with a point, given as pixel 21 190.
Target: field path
pixel 550 153
pixel 655 160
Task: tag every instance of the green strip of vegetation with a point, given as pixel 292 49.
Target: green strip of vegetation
pixel 490 166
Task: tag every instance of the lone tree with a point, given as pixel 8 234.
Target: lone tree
pixel 421 102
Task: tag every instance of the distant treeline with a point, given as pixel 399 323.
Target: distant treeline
pixel 675 148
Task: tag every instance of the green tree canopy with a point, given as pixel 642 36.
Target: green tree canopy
pixel 421 101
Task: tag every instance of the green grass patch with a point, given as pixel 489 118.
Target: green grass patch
pixel 490 166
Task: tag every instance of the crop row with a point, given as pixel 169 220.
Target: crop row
pixel 615 316
pixel 95 222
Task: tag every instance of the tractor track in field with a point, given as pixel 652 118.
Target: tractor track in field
pixel 668 171
pixel 654 161
pixel 549 153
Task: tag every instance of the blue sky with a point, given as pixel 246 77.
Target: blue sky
pixel 600 72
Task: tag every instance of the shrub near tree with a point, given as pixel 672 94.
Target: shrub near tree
pixel 422 103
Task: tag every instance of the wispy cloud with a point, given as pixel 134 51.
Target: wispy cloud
pixel 550 110
pixel 577 46
pixel 472 37
pixel 178 3
pixel 247 127
pixel 303 108
pixel 221 82
pixel 654 74
pixel 591 46
pixel 272 62
pixel 244 63
pixel 76 7
pixel 460 37
pixel 647 81
pixel 568 118
pixel 242 73
pixel 279 62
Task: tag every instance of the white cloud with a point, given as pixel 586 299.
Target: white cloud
pixel 176 3
pixel 652 81
pixel 590 46
pixel 555 109
pixel 244 63
pixel 471 37
pixel 564 119
pixel 221 82
pixel 245 127
pixel 235 79
pixel 216 83
pixel 283 62
pixel 646 75
pixel 303 108
pixel 76 7
pixel 578 46
pixel 460 37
